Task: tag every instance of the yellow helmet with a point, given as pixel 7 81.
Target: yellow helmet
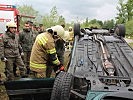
pixel 11 24
pixel 66 36
pixel 70 27
pixel 60 30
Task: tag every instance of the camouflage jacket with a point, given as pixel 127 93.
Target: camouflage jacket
pixel 9 45
pixel 26 40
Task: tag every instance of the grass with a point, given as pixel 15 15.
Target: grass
pixel 131 44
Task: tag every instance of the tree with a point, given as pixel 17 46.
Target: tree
pixel 53 18
pixel 29 11
pixel 125 11
pixel 129 28
pixel 87 22
pixel 95 23
pixel 61 20
pixel 92 23
pixel 121 15
pixel 109 24
pixel 129 9
pixel 54 15
pixel 125 15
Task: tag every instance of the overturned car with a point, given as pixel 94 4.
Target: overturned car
pixel 101 67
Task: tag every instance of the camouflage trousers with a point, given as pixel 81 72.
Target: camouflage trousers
pixel 9 67
pixel 26 60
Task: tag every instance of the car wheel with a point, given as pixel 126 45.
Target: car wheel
pixel 62 87
pixel 76 29
pixel 120 30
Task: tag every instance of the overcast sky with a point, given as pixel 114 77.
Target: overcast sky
pixel 73 9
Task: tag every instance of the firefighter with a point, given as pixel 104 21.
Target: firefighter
pixel 59 41
pixel 71 38
pixel 59 45
pixel 71 33
pixel 44 52
pixel 9 51
pixel 66 37
pixel 26 40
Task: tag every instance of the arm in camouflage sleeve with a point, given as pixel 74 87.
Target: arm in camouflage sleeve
pixel 1 47
pixel 20 48
pixel 21 38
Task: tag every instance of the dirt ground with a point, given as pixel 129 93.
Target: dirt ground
pixel 3 95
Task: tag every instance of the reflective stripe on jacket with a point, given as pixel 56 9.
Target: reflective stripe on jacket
pixel 42 52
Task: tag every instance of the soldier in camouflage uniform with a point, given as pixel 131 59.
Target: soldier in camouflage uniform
pixel 26 41
pixel 9 51
pixel 41 28
pixel 34 31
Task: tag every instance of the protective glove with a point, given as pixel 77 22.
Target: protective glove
pixel 59 68
pixel 4 59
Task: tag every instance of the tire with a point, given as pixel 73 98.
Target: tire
pixel 120 30
pixel 62 87
pixel 76 29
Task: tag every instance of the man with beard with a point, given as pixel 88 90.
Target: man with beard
pixel 26 41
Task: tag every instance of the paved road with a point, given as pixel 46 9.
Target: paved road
pixel 129 40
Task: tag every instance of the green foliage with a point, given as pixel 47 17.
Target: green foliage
pixel 125 11
pixel 53 18
pixel 95 25
pixel 92 23
pixel 99 24
pixel 129 28
pixel 121 15
pixel 131 45
pixel 54 15
pixel 129 7
pixel 125 15
pixel 109 24
pixel 28 11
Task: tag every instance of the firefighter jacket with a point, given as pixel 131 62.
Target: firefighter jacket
pixel 9 45
pixel 43 52
pixel 71 35
pixel 26 40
